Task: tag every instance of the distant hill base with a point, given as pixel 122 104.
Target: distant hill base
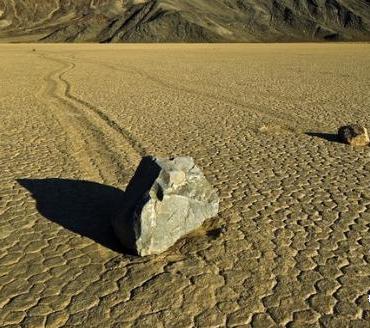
pixel 184 20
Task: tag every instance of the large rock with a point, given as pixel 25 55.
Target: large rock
pixel 354 134
pixel 165 200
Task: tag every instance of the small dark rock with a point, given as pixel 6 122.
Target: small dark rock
pixel 354 135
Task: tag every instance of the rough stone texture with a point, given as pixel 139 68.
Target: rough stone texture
pixel 165 200
pixel 354 134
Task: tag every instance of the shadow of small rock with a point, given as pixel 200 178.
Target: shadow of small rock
pixel 332 137
pixel 216 233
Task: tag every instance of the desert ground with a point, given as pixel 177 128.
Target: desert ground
pixel 290 246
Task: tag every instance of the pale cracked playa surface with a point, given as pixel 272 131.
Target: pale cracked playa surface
pixel 290 246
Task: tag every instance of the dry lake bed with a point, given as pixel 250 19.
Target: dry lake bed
pixel 291 245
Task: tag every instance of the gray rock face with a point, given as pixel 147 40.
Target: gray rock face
pixel 184 21
pixel 354 134
pixel 165 200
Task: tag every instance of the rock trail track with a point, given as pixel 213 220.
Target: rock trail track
pixel 290 247
pixel 250 108
pixel 95 138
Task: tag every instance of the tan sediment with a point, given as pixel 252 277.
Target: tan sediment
pixel 291 243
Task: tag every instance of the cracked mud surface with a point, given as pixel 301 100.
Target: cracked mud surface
pixel 290 246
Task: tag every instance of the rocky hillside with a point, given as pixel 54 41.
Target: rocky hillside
pixel 183 20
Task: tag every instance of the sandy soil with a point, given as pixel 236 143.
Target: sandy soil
pixel 291 244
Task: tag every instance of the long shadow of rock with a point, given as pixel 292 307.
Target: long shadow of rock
pixel 83 207
pixel 332 137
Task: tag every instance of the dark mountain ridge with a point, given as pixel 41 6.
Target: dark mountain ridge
pixel 184 20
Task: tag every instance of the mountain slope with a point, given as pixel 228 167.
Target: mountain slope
pixel 184 20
